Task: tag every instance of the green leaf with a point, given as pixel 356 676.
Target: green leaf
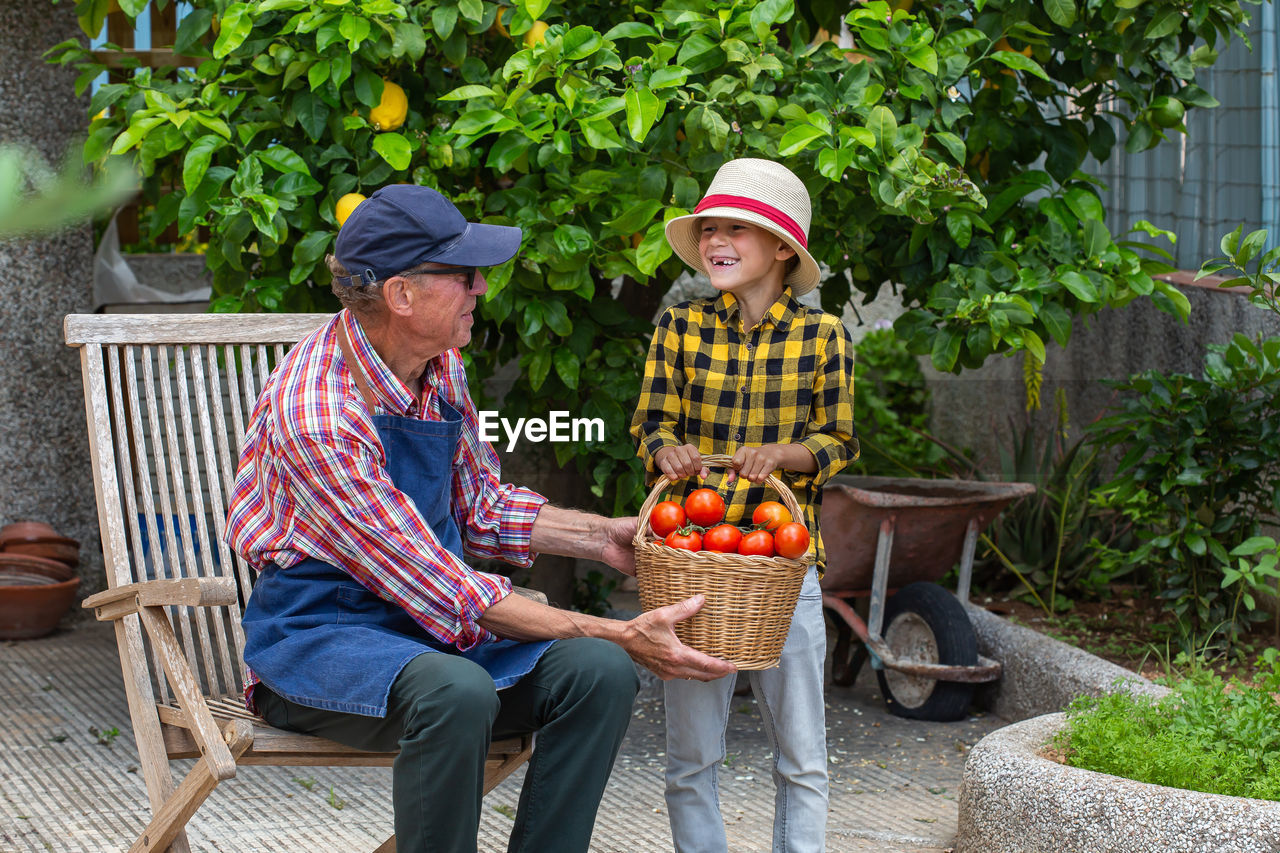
pixel 567 366
pixel 196 162
pixel 1254 545
pixel 237 23
pixel 671 75
pixel 946 349
pixel 466 93
pixel 959 227
pixel 923 57
pixel 636 217
pixel 1061 12
pixel 539 367
pixel 1079 285
pixel 643 108
pixel 443 19
pixel 798 138
pixel 1018 62
pixel 770 12
pixel 1096 238
pixel 1167 21
pixel 311 249
pixel 653 250
pixel 193 27
pixel 1033 344
pixel 1084 204
pixel 581 42
pixel 954 145
pixel 393 148
pixel 632 30
pixel 600 134
pixel 1057 321
pixel 472 10
pixel 283 159
pixel 571 240
pixel 884 127
pixel 312 113
pixel 355 30
pixel 507 150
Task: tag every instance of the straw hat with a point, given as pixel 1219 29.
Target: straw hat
pixel 764 193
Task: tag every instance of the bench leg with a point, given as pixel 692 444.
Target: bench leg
pixel 170 818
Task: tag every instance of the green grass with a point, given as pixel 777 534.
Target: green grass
pixel 1210 735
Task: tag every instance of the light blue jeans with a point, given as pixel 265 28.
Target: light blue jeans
pixel 791 706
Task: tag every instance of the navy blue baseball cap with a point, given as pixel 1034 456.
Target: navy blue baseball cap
pixel 403 225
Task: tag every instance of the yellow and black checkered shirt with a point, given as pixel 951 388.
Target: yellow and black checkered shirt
pixel 789 380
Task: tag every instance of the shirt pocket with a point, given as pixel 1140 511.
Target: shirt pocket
pixel 785 400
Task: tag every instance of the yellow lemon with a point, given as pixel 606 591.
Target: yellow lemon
pixel 345 205
pixel 537 34
pixel 390 112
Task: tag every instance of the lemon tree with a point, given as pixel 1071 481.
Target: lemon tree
pixel 587 124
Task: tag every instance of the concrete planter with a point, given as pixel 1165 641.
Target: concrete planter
pixel 1014 801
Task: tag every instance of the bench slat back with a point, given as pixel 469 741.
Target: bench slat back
pixel 168 399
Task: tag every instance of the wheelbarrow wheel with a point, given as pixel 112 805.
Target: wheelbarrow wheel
pixel 925 623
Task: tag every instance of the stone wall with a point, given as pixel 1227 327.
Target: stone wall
pixel 44 456
pixel 975 409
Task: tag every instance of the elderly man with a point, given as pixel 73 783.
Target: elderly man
pixel 362 485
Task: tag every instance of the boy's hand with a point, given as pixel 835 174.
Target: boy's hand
pixel 756 463
pixel 680 462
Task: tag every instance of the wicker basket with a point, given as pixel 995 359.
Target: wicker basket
pixel 750 599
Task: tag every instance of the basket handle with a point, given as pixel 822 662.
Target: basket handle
pixel 714 460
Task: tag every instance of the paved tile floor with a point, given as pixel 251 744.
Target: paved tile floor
pixel 69 782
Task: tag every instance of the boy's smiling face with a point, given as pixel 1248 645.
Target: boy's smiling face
pixel 741 257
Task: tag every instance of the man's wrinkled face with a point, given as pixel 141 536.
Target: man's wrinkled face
pixel 444 310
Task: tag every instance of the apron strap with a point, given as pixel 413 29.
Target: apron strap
pixel 357 373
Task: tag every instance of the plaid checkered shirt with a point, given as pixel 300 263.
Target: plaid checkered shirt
pixel 712 384
pixel 312 483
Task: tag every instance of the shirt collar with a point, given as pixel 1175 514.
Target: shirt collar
pixel 390 392
pixel 780 313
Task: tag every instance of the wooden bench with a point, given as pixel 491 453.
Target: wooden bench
pixel 167 399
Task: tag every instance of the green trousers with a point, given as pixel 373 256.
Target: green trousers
pixel 442 713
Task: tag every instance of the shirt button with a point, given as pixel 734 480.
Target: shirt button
pixel 743 389
pixel 737 436
pixel 749 344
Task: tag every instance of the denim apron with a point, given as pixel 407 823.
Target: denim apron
pixel 316 636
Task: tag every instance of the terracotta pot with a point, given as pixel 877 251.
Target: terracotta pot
pixel 58 548
pixel 20 531
pixel 35 592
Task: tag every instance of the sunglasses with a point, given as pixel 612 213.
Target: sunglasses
pixel 469 272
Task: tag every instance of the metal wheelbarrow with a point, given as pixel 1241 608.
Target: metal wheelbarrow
pixel 891 539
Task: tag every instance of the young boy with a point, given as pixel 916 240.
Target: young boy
pixel 757 376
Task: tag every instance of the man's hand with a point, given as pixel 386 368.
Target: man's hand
pixel 617 546
pixel 680 462
pixel 651 641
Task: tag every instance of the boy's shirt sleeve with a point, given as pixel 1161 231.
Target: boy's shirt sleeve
pixel 653 426
pixel 830 434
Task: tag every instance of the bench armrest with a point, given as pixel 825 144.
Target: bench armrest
pixel 534 594
pixel 190 592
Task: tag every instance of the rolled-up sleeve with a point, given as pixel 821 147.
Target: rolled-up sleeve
pixel 653 426
pixel 830 434
pixel 494 518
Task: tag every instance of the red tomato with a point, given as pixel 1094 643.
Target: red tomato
pixel 771 514
pixel 723 538
pixel 704 507
pixel 691 541
pixel 666 517
pixel 758 543
pixel 791 540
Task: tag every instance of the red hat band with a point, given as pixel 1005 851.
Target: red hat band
pixel 786 223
